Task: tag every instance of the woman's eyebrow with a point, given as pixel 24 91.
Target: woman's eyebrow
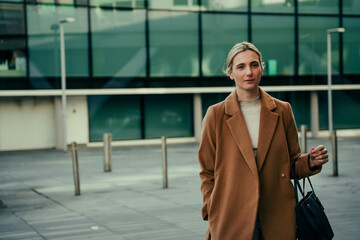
pixel 242 64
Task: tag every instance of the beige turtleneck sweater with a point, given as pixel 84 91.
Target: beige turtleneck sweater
pixel 251 111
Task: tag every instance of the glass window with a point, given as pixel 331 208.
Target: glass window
pixel 41 1
pixel 12 57
pixel 351 7
pixel 219 36
pixel 313 45
pixel 208 99
pixel 318 6
pixel 173 44
pixel 345 104
pixel 118 115
pixel 118 42
pixel 225 5
pixel 118 3
pixel 12 19
pixel 272 6
pixel 300 104
pixel 274 36
pixel 174 4
pixel 44 44
pixel 351 45
pixel 168 115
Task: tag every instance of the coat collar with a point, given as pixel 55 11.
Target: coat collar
pixel 239 131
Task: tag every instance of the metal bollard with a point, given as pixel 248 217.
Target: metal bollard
pixel 75 168
pixel 334 153
pixel 107 152
pixel 164 161
pixel 303 137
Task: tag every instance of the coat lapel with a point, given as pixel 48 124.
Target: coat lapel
pixel 268 122
pixel 239 132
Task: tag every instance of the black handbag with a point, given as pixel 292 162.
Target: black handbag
pixel 312 223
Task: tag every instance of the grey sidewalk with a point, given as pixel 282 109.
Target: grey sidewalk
pixel 38 202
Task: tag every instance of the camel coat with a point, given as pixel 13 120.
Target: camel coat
pixel 237 188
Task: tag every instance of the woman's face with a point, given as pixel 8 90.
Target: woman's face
pixel 246 72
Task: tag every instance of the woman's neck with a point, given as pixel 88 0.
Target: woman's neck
pixel 247 95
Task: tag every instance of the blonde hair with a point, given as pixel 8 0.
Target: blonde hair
pixel 237 48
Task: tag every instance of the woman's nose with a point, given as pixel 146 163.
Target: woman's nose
pixel 248 71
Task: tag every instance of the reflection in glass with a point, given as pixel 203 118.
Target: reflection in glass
pixel 225 5
pixel 118 42
pixel 351 7
pixel 219 35
pixel 173 44
pixel 44 45
pixel 313 45
pixel 274 37
pixel 118 115
pixel 168 115
pixel 272 6
pixel 11 19
pixel 118 3
pixel 208 99
pixel 318 6
pixel 346 102
pixel 351 45
pixel 300 104
pixel 174 4
pixel 12 57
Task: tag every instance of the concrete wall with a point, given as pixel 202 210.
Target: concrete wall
pixel 26 123
pixel 35 122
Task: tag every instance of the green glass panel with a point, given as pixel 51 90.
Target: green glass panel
pixel 174 4
pixel 351 7
pixel 225 5
pixel 44 40
pixel 118 42
pixel 274 37
pixel 66 2
pixel 313 45
pixel 12 19
pixel 118 3
pixel 318 6
pixel 351 45
pixel 118 115
pixel 279 6
pixel 219 35
pixel 300 104
pixel 12 49
pixel 12 57
pixel 168 115
pixel 208 99
pixel 173 44
pixel 346 109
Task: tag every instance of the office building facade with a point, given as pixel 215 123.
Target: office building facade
pixel 142 69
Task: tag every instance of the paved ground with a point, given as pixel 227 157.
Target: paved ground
pixel 37 194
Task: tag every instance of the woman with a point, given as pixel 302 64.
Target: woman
pixel 249 143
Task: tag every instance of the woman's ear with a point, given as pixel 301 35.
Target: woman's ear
pixel 230 75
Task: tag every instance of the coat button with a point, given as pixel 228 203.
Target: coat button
pixel 283 175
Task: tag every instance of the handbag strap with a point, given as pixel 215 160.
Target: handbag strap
pixel 297 185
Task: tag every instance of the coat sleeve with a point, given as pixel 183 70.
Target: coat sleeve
pixel 301 161
pixel 206 157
